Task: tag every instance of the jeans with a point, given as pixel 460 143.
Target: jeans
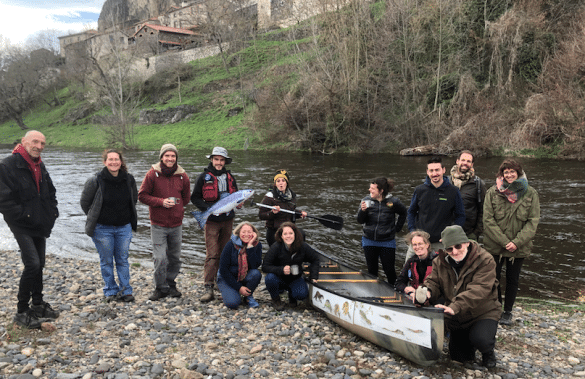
pixel 231 297
pixel 512 279
pixel 297 289
pixel 166 251
pixel 112 244
pixel 32 252
pixel 463 342
pixel 217 235
pixel 387 255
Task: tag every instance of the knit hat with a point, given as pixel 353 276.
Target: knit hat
pixel 221 152
pixel 167 147
pixel 281 174
pixel 453 235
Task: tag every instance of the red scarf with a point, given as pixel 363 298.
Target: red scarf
pixel 243 262
pixel 33 165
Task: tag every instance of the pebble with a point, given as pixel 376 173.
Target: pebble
pixel 185 339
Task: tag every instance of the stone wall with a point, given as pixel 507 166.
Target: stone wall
pixel 146 67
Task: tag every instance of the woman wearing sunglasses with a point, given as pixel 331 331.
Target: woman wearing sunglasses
pixel 511 212
pixel 464 275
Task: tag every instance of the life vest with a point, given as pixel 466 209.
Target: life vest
pixel 210 187
pixel 415 280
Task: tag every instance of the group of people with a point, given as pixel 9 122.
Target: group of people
pixel 445 265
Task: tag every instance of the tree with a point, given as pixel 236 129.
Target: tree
pixel 44 39
pixel 24 78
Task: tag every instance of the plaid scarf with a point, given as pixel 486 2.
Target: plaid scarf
pixel 242 257
pixel 457 178
pixel 34 165
pixel 513 191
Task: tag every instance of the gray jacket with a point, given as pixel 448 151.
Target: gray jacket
pixel 92 199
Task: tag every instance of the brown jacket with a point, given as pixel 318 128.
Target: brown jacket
pixel 473 294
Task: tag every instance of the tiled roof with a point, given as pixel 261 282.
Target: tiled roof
pixel 167 29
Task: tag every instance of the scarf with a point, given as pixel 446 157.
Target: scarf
pixel 242 257
pixel 283 196
pixel 512 191
pixel 168 171
pixel 107 175
pixel 34 165
pixel 458 179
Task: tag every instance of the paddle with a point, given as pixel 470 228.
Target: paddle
pixel 329 221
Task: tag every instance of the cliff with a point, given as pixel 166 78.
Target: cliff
pixel 127 12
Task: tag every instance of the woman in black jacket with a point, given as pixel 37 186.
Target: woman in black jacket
pixel 109 201
pixel 377 213
pixel 283 265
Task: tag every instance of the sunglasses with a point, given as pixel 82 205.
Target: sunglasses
pixel 450 249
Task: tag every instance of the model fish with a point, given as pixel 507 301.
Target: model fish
pixel 224 205
pixel 363 314
pixel 318 296
pixel 336 310
pixel 328 305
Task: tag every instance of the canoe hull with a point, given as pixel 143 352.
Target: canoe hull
pixel 414 333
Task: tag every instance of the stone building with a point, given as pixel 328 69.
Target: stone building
pixel 72 39
pixel 154 39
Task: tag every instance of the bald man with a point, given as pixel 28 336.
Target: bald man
pixel 29 206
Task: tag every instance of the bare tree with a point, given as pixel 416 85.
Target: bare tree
pixel 44 39
pixel 24 78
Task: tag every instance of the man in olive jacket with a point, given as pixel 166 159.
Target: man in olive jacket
pixel 464 275
pixel 29 206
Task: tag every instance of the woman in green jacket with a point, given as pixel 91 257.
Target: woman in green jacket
pixel 510 217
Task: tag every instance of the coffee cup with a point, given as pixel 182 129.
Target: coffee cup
pixel 174 200
pixel 294 269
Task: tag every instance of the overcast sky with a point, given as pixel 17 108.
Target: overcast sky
pixel 21 18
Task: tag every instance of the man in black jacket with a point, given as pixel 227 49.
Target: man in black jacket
pixel 472 190
pixel 29 206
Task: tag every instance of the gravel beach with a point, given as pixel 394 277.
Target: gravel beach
pixel 183 338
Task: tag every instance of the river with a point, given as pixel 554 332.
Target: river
pixel 331 184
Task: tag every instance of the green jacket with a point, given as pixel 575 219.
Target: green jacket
pixel 505 222
pixel 473 294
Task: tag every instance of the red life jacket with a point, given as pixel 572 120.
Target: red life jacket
pixel 210 189
pixel 415 280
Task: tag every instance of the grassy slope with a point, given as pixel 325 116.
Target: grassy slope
pixel 208 127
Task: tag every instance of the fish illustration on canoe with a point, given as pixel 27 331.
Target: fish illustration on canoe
pixel 224 205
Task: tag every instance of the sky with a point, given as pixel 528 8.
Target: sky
pixel 21 18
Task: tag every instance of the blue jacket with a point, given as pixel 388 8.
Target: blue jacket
pixel 433 209
pixel 228 262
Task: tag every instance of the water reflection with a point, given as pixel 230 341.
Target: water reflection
pixel 331 185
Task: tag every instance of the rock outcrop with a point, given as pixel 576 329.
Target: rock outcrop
pixel 128 12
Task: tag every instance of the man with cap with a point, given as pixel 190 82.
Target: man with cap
pixel 464 275
pixel 209 187
pixel 166 190
pixel 29 206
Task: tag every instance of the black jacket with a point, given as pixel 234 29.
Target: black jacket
pixel 278 256
pixel 473 195
pixel 379 219
pixel 25 210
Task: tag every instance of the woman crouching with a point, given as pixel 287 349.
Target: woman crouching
pixel 283 265
pixel 238 274
pixel 464 274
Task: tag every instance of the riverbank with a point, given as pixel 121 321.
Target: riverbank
pixel 183 338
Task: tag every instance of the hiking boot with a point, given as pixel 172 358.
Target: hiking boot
pixel 506 318
pixel 252 303
pixel 44 310
pixel 488 360
pixel 292 302
pixel 157 295
pixel 208 296
pixel 125 298
pixel 110 298
pixel 174 292
pixel 27 319
pixel 278 304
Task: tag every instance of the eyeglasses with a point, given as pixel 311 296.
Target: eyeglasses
pixel 450 249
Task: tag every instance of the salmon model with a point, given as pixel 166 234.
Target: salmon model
pixel 223 205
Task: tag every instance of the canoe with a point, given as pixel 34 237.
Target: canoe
pixel 370 308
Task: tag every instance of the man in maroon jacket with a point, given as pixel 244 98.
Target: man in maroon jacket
pixel 166 190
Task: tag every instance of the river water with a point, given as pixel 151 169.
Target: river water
pixel 331 184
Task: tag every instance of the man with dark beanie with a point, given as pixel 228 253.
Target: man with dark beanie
pixel 29 206
pixel 166 190
pixel 209 187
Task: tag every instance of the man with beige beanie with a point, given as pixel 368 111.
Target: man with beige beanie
pixel 166 190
